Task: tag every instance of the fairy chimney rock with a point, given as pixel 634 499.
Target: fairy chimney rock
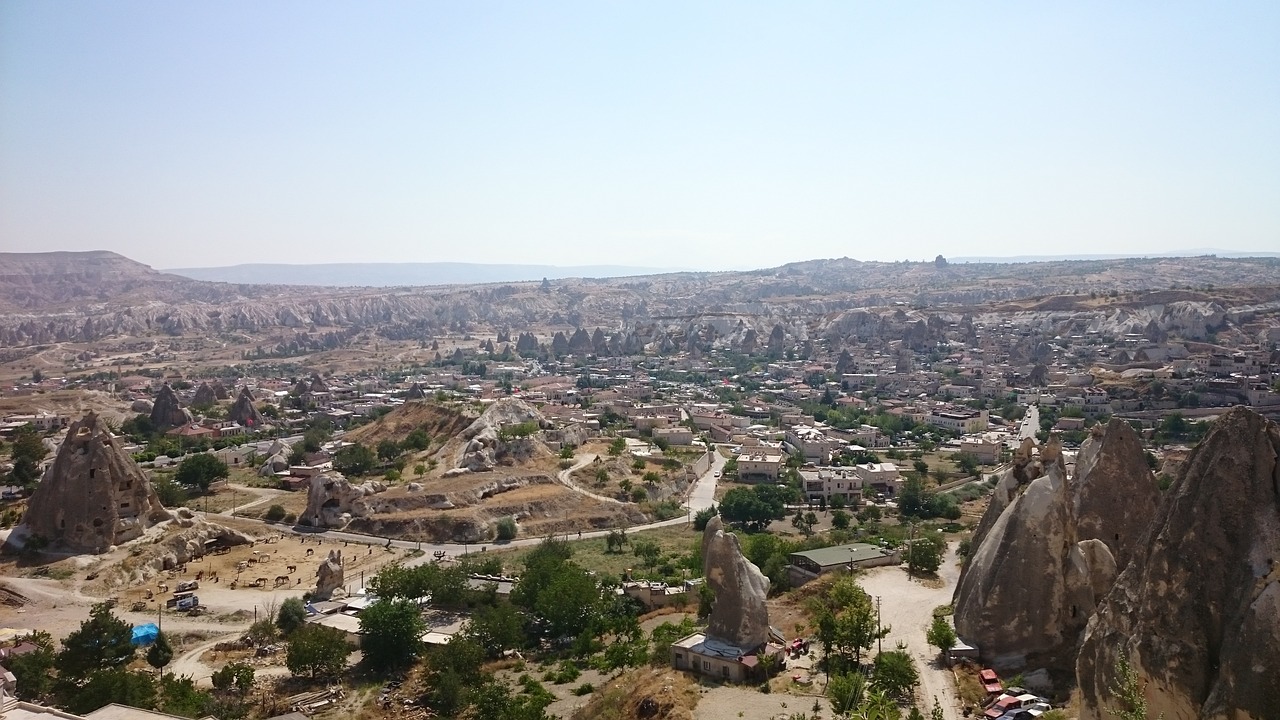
pixel 167 412
pixel 94 495
pixel 739 617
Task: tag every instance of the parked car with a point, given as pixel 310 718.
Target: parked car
pixel 990 681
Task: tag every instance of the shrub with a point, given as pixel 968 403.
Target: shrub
pixel 584 689
pixel 289 518
pixel 275 513
pixel 506 529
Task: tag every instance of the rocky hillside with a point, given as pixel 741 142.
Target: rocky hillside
pixel 1197 611
pixel 66 297
pixel 1050 546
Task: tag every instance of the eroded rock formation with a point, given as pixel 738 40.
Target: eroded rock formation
pixel 332 500
pixel 329 576
pixel 94 495
pixel 1197 610
pixel 166 411
pixel 1050 546
pixel 244 412
pixel 739 617
pixel 205 396
pixel 485 445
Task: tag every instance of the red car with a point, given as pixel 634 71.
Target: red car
pixel 990 682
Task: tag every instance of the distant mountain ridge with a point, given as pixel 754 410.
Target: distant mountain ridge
pixel 403 274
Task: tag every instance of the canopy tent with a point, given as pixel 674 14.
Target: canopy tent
pixel 145 634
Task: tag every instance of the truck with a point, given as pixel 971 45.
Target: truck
pixel 188 603
pixel 186 585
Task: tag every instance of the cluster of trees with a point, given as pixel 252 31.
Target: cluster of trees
pixel 915 500
pixel 28 450
pixel 92 669
pixel 754 508
pixel 198 472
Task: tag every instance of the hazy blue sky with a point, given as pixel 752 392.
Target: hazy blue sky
pixel 709 135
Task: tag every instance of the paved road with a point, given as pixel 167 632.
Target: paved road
pixel 1030 423
pixel 701 496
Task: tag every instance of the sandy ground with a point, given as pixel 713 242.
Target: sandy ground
pixel 907 605
pixel 736 702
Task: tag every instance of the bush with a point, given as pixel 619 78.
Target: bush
pixel 275 513
pixel 584 689
pixel 506 529
pixel 289 518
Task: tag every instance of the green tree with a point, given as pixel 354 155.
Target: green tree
pixel 390 632
pixel 103 642
pixel 924 554
pixel 160 653
pixel 275 513
pixel 846 623
pixel 647 550
pixel 967 462
pixel 234 677
pixel 617 447
pixel 497 628
pixel 355 459
pixel 702 517
pixel 180 696
pixel 103 687
pixel 200 471
pixel 895 673
pixel 614 541
pixel 506 529
pixel 291 615
pixel 317 651
pixel 839 520
pixel 1128 691
pixel 417 441
pixel 28 451
pixel 389 450
pixel 34 670
pixel 941 635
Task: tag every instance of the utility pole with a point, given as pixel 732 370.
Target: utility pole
pixel 879 631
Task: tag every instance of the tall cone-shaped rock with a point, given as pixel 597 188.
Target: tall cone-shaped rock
pixel 244 412
pixel 94 495
pixel 1114 490
pixel 166 411
pixel 739 617
pixel 1050 548
pixel 1197 610
pixel 205 396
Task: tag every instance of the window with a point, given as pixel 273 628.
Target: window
pixel 91 472
pixel 706 665
pixel 724 671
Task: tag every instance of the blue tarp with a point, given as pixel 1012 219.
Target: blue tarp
pixel 145 634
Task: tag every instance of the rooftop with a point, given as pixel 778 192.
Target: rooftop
pixel 838 554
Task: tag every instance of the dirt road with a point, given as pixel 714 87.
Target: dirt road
pixel 907 605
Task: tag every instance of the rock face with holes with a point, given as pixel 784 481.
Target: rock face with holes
pixel 329 576
pixel 1197 610
pixel 1050 547
pixel 332 500
pixel 166 411
pixel 740 617
pixel 94 495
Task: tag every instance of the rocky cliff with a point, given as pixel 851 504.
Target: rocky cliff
pixel 94 495
pixel 1050 547
pixel 1197 610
